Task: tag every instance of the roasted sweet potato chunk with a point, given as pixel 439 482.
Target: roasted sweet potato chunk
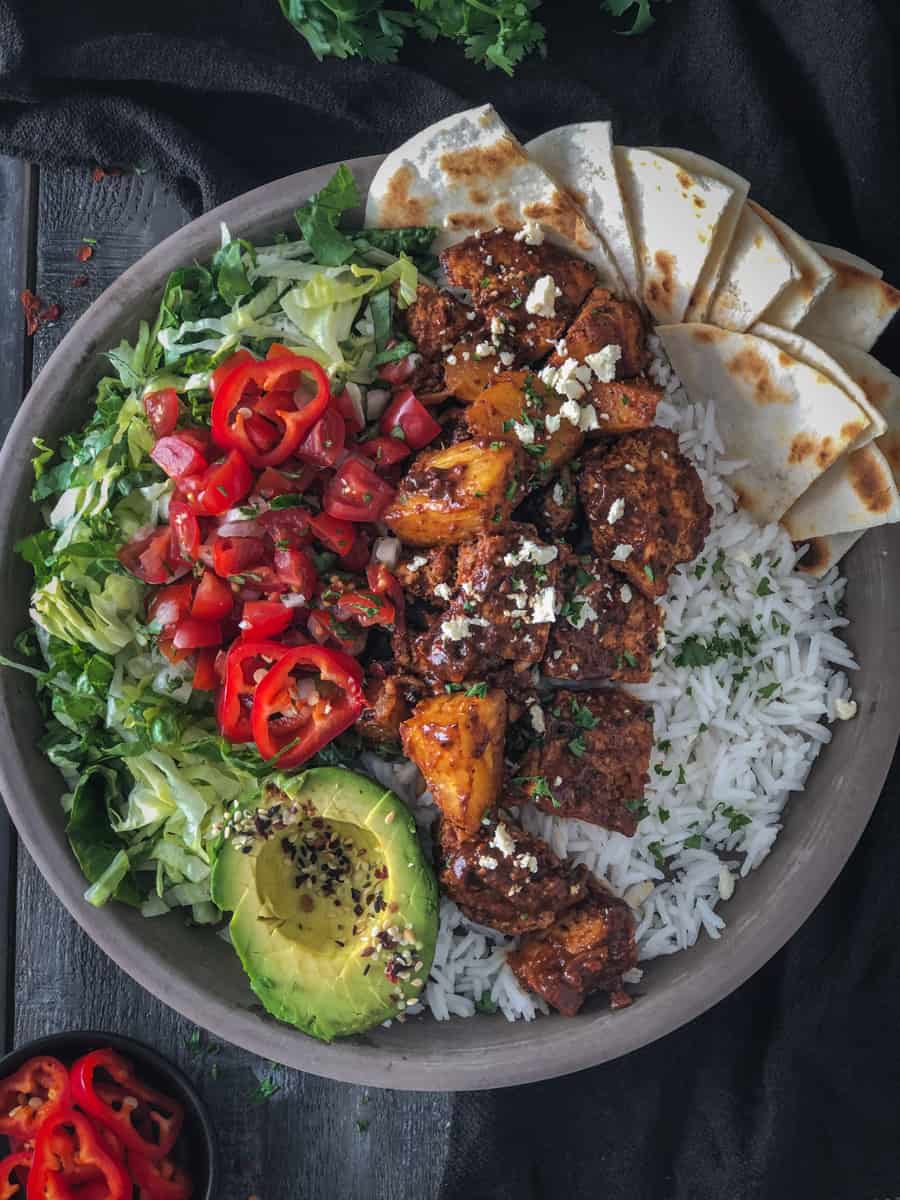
pixel 588 949
pixel 505 878
pixel 593 760
pixel 645 507
pixel 515 408
pixel 457 743
pixel 467 374
pixel 449 495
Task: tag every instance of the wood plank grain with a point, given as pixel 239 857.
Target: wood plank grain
pixel 312 1138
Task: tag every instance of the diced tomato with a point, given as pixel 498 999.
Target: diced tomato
pixel 358 555
pixel 205 677
pixel 198 436
pixel 324 443
pixel 213 599
pixel 279 481
pixel 384 583
pixel 296 570
pixel 169 605
pixel 351 410
pixel 185 531
pixel 287 527
pixel 262 578
pixel 367 608
pixel 325 628
pixel 232 556
pixel 384 451
pixel 406 416
pixel 356 493
pixel 263 619
pixel 225 485
pixel 336 535
pixel 397 372
pixel 178 456
pixel 162 409
pixel 149 557
pixel 192 633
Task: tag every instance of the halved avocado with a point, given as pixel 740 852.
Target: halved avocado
pixel 335 910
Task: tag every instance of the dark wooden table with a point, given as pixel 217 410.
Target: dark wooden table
pixel 311 1139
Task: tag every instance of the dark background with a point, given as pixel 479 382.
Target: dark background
pixel 789 1087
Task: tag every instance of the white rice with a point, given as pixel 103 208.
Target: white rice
pixel 733 738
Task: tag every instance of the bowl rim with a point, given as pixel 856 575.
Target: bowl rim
pixel 85 1040
pixel 450 1060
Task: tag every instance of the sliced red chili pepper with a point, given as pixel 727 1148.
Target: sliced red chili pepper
pixel 185 531
pixel 205 677
pixel 385 451
pixel 234 556
pixel 224 485
pixel 324 444
pixel 293 718
pixel 406 416
pixel 356 493
pixel 335 534
pixel 169 605
pixel 162 409
pixel 178 456
pixel 263 619
pixel 324 627
pixel 149 557
pixel 191 633
pixel 14 1171
pixel 213 600
pixel 144 1119
pixel 224 369
pixel 295 568
pixel 358 555
pixel 365 607
pixel 68 1152
pixel 244 661
pixel 159 1179
pixel 242 393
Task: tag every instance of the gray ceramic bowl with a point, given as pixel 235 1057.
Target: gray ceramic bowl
pixel 198 974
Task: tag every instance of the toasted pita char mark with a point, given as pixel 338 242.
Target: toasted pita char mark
pixel 399 208
pixel 816 557
pixel 463 220
pixel 563 215
pixel 870 482
pixel 805 446
pixel 749 366
pixel 889 444
pixel 848 278
pixel 707 335
pixel 476 163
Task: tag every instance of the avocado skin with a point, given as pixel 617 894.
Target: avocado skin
pixel 324 992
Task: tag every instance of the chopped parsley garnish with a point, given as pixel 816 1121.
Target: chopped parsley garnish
pixel 362 1126
pixel 578 747
pixel 719 564
pixel 768 691
pixel 541 787
pixel 648 571
pixel 629 658
pixel 655 849
pixel 694 842
pixel 497 445
pixel 757 559
pixel 763 588
pixel 663 814
pixel 484 1003
pixel 287 500
pixel 478 690
pixel 485 281
pixel 736 820
pixel 681 778
pixel 661 770
pixel 454 687
pixel 581 715
pixel 582 578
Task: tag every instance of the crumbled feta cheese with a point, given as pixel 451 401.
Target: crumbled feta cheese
pixel 487 861
pixel 442 591
pixel 603 362
pixel 726 883
pixel 470 316
pixel 557 655
pixel 557 781
pixel 527 862
pixel 626 593
pixel 622 552
pixel 561 347
pixel 451 360
pixel 543 608
pixel 616 511
pixel 525 433
pixel 416 563
pixel 498 326
pixel 628 467
pixel 588 419
pixel 530 233
pixel 845 710
pixel 570 411
pixel 541 300
pixel 552 422
pixel 502 840
pixel 466 355
pixel 484 350
pixel 531 552
pixel 660 638
pixel 559 496
pixel 584 613
pixel 537 718
pixel 386 550
pixel 457 629
pixel 489 260
pixel 507 358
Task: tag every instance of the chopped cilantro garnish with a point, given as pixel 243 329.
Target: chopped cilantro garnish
pixel 484 1003
pixel 661 770
pixel 757 559
pixel 681 778
pixel 736 820
pixel 454 687
pixel 581 715
pixel 694 842
pixel 655 849
pixel 663 814
pixel 582 578
pixel 478 690
pixel 648 571
pixel 265 1089
pixel 768 691
pixel 578 747
pixel 763 588
pixel 630 659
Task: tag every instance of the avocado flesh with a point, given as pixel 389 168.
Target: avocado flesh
pixel 334 908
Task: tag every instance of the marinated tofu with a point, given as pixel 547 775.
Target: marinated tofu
pixel 605 321
pixel 434 322
pixel 389 701
pixel 623 405
pixel 645 507
pixel 505 878
pixel 593 761
pixel 605 630
pixel 587 950
pixel 501 612
pixel 429 575
pixel 558 506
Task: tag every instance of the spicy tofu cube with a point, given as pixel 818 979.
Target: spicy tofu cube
pixel 645 506
pixel 451 494
pixel 588 949
pixel 429 575
pixel 622 406
pixel 558 506
pixel 457 743
pixel 434 321
pixel 593 760
pixel 605 321
pixel 501 612
pixel 505 878
pixel 605 630
pixel 516 409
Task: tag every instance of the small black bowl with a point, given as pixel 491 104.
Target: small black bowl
pixel 197 1134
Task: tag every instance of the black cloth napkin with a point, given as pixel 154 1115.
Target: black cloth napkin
pixel 790 1086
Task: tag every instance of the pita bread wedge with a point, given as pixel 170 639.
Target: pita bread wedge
pixel 814 355
pixel 813 274
pixel 674 216
pixel 858 492
pixel 858 306
pixel 469 173
pixel 835 254
pixel 824 552
pixel 580 157
pixel 756 271
pixel 785 419
pixel 712 269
